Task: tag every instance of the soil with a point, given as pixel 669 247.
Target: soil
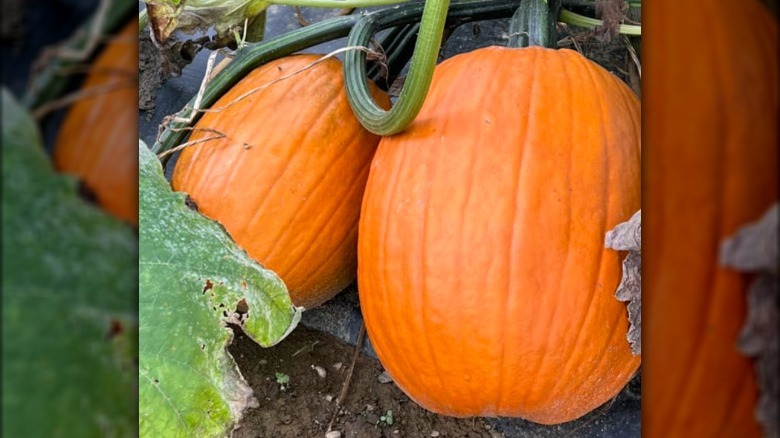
pixel 306 404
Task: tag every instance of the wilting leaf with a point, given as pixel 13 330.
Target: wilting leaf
pixel 628 237
pixel 190 16
pixel 192 276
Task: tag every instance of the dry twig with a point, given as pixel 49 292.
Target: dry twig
pixel 345 386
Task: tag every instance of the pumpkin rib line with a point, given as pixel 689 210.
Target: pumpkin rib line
pixel 249 224
pixel 469 184
pixel 313 274
pixel 600 80
pixel 424 289
pixel 385 225
pixel 686 391
pixel 488 90
pixel 241 116
pixel 628 97
pixel 508 296
pixel 605 196
pixel 615 331
pixel 290 153
pixel 594 390
pixel 561 293
pixel 466 202
pixel 534 93
pixel 316 188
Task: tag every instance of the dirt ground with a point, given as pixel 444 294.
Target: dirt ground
pixel 304 406
pixel 296 401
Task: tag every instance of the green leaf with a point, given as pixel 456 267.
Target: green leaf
pixel 190 16
pixel 192 276
pixel 68 297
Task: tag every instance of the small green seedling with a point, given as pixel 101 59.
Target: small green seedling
pixel 282 379
pixel 387 419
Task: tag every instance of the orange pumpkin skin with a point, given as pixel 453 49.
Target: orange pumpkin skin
pixel 711 167
pixel 483 278
pixel 97 139
pixel 287 181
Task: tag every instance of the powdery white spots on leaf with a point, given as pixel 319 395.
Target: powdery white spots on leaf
pixel 193 275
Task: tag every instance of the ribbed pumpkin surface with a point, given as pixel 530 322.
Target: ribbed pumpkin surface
pixel 483 277
pixel 97 139
pixel 711 167
pixel 287 180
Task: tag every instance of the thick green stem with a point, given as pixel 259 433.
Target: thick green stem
pixel 426 53
pixel 569 17
pixel 533 24
pixel 143 20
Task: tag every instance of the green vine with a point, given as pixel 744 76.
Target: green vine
pixel 426 53
pixel 574 19
pixel 533 24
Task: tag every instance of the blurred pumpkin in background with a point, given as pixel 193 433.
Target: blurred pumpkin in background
pixel 710 166
pixel 97 140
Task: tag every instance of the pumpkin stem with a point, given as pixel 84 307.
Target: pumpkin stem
pixel 533 24
pixel 143 20
pixel 426 54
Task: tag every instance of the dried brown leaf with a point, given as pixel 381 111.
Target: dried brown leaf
pixel 754 249
pixel 611 13
pixel 627 236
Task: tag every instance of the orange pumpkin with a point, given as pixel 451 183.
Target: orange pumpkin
pixel 97 140
pixel 287 179
pixel 483 278
pixel 711 167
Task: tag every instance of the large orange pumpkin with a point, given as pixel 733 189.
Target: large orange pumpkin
pixel 483 277
pixel 287 180
pixel 97 139
pixel 711 167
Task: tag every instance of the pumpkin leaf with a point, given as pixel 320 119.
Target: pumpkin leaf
pixel 192 276
pixel 753 248
pixel 191 16
pixel 68 303
pixel 627 236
